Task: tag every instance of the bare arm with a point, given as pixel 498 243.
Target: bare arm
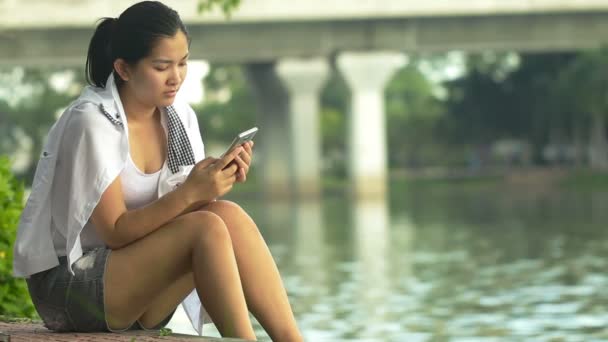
pixel 118 226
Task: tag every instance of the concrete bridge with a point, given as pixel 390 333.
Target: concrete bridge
pixel 286 48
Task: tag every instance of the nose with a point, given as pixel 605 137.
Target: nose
pixel 176 76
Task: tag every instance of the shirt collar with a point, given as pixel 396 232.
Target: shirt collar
pixel 110 100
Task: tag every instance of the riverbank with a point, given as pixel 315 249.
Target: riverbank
pixel 18 330
pixel 528 178
pixel 517 179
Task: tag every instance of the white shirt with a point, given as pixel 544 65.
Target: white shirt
pixel 71 177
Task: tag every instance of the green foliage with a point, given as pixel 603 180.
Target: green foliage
pixel 585 80
pixel 227 6
pixel 228 108
pixel 334 110
pixel 31 114
pixel 412 112
pixel 14 297
pixel 495 99
pixel 165 332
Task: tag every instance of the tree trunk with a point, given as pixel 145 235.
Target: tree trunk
pixel 598 144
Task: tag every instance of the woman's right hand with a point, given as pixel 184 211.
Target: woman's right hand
pixel 211 177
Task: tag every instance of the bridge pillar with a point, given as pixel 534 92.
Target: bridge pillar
pixel 367 75
pixel 304 79
pixel 272 140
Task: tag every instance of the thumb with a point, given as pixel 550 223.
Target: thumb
pixel 206 162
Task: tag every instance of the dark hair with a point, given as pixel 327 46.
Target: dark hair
pixel 131 37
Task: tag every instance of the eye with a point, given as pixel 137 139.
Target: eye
pixel 183 64
pixel 160 68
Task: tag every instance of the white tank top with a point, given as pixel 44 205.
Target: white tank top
pixel 138 188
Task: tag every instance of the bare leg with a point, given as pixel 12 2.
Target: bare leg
pixel 196 243
pixel 161 306
pixel 264 291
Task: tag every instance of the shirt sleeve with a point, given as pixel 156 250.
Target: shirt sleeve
pixel 91 158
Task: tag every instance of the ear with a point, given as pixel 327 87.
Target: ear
pixel 123 69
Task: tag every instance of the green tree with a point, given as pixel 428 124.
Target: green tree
pixel 585 83
pixel 413 110
pixel 14 297
pixel 478 109
pixel 227 6
pixel 34 112
pixel 334 103
pixel 228 107
pixel 539 96
pixel 496 99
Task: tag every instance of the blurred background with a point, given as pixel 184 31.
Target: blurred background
pixel 424 171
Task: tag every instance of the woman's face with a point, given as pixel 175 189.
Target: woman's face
pixel 156 78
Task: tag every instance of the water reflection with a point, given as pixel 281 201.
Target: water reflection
pixel 309 246
pixel 452 265
pixel 371 229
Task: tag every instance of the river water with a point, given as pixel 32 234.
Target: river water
pixel 442 263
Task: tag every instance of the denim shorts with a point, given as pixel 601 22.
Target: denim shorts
pixel 75 303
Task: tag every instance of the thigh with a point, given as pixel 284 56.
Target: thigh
pixel 149 266
pixel 165 303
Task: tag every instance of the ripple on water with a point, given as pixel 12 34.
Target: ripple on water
pixel 558 309
pixel 504 273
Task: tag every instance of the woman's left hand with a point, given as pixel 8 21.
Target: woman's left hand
pixel 243 160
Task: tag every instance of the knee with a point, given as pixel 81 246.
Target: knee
pixel 226 209
pixel 207 228
pixel 233 214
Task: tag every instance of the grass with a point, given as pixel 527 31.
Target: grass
pixel 586 180
pixel 10 319
pixel 165 332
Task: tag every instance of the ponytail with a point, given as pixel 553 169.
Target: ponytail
pixel 100 59
pixel 130 37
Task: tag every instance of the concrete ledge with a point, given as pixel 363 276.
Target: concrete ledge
pixel 20 332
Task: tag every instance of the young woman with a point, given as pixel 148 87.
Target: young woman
pixel 124 220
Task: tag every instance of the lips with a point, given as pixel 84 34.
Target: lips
pixel 171 92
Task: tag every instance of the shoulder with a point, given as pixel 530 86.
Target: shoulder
pixel 86 111
pixel 88 116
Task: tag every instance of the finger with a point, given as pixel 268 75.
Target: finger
pixel 241 163
pixel 243 174
pixel 246 156
pixel 231 179
pixel 228 158
pixel 248 147
pixel 206 162
pixel 230 170
pixel 240 175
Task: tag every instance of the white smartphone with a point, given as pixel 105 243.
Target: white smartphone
pixel 240 139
